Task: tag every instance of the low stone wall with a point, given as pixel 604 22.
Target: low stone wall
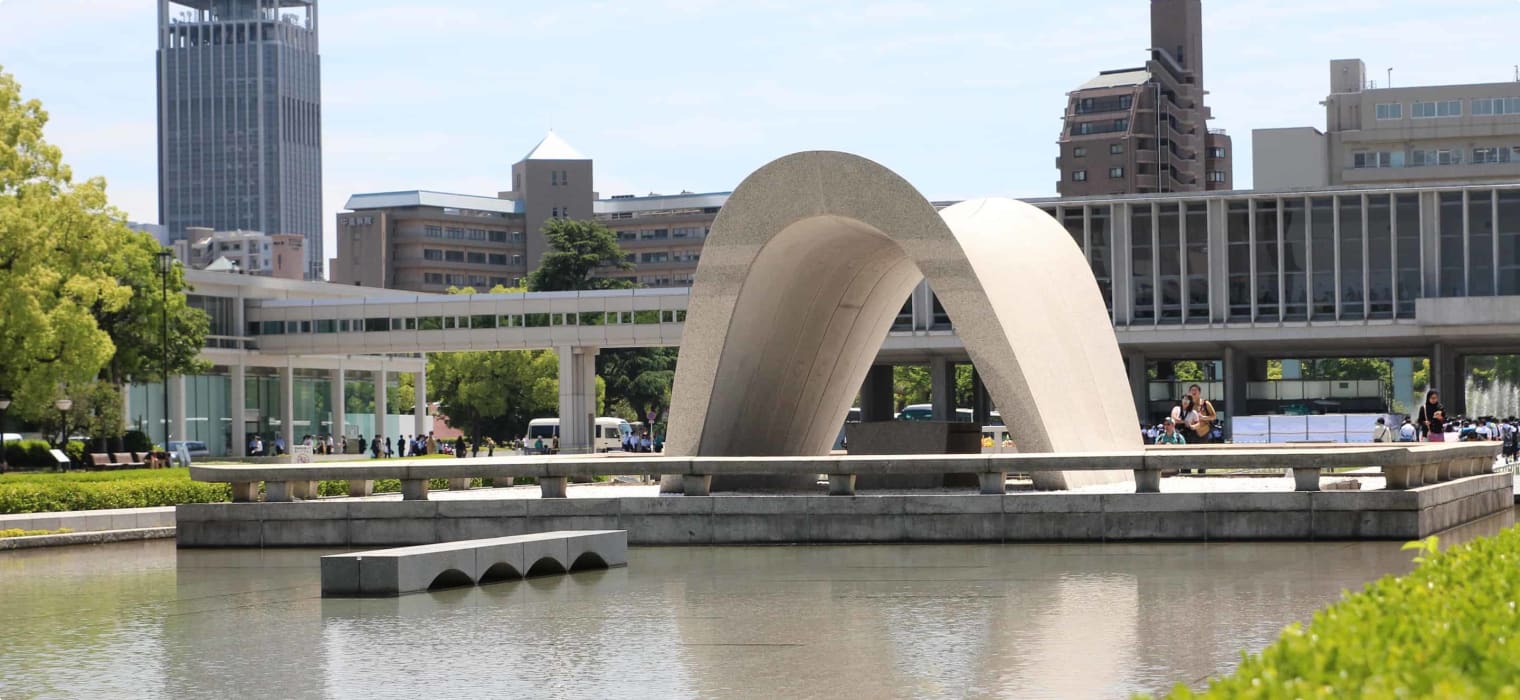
pixel 91 520
pixel 1032 517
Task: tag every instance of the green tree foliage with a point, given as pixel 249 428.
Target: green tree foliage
pixel 136 329
pixel 576 250
pixel 639 378
pixel 911 384
pixel 56 240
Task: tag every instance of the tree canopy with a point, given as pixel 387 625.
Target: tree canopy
pixel 576 250
pixel 76 284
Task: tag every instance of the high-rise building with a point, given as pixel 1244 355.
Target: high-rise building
pixel 1421 134
pixel 240 119
pixel 1145 129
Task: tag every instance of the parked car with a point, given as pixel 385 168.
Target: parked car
pixel 197 448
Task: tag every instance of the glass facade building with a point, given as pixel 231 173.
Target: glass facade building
pixel 240 119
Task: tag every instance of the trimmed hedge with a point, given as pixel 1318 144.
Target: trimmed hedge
pixel 1450 629
pixel 49 497
pixel 18 532
pixel 33 454
pixel 171 474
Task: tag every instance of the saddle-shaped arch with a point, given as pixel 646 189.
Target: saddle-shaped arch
pixel 804 272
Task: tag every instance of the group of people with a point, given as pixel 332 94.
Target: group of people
pixel 1432 424
pixel 258 448
pixel 1192 421
pixel 643 443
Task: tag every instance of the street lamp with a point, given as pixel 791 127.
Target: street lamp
pixel 63 406
pixel 5 404
pixel 165 264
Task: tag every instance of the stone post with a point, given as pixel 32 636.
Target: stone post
pixel 238 408
pixel 338 398
pixel 942 388
pixel 577 399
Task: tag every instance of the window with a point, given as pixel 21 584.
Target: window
pixel 476 258
pixel 432 278
pixel 1115 173
pixel 1491 155
pixel 432 254
pixel 498 258
pixel 432 231
pixel 1442 108
pixel 1494 106
pixel 1079 176
pixel 1216 152
pixel 498 236
pixel 1390 110
pixel 453 255
pixel 1099 127
pixel 1216 176
pixel 1115 148
pixel 1079 152
pixel 1377 159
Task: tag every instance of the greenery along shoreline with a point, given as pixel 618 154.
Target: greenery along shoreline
pixel 1449 629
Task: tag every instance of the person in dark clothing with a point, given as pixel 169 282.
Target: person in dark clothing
pixel 459 447
pixel 1432 419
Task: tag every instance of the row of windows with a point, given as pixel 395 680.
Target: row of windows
pixel 1081 175
pixel 660 234
pixel 441 323
pixel 456 233
pixel 1436 156
pixel 1090 105
pixel 662 256
pixel 471 257
pixel 1099 127
pixel 1113 149
pixel 1481 107
pixel 559 177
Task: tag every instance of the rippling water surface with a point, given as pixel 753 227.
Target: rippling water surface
pixel 1026 621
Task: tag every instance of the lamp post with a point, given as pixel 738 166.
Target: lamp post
pixel 5 404
pixel 63 406
pixel 165 263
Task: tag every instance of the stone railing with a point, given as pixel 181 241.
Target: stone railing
pixel 1403 465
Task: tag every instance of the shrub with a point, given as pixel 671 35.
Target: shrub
pixel 1448 630
pixel 29 454
pixel 48 497
pixel 75 450
pixel 18 532
pixel 170 474
pixel 136 441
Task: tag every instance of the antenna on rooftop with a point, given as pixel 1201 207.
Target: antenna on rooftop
pixel 1390 77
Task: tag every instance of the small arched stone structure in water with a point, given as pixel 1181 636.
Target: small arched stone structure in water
pixel 807 266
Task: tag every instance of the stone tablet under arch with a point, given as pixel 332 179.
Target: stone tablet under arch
pixel 804 272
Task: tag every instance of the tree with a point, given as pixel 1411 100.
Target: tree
pixel 576 250
pixel 57 238
pixel 136 329
pixel 640 378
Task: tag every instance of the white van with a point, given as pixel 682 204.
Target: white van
pixel 608 437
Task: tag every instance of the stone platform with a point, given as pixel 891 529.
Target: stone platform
pixel 820 519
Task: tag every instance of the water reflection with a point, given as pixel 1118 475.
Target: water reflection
pixel 1029 621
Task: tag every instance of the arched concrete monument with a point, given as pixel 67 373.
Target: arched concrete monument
pixel 805 270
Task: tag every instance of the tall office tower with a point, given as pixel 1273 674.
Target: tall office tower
pixel 240 119
pixel 1145 129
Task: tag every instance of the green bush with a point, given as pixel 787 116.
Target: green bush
pixel 136 441
pixel 1448 630
pixel 31 454
pixel 18 532
pixel 75 450
pixel 48 497
pixel 172 474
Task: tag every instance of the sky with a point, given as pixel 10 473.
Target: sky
pixel 964 99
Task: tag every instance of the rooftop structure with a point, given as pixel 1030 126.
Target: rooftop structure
pixel 1144 129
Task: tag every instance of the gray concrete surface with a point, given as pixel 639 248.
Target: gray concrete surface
pixel 392 572
pixel 91 520
pixel 91 537
pixel 942 517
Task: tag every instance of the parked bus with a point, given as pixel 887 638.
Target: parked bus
pixel 608 437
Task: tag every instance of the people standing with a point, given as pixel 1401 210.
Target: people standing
pixel 1185 417
pixel 431 444
pixel 1407 431
pixel 1432 417
pixel 459 447
pixel 1381 432
pixel 1207 416
pixel 279 445
pixel 1169 434
pixel 388 453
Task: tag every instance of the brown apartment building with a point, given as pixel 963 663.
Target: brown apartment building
pixel 1145 130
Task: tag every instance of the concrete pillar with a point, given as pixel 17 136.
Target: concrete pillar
pixel 981 403
pixel 1139 385
pixel 1446 376
pixel 419 402
pixel 577 399
pixel 942 388
pixel 382 399
pixel 876 402
pixel 1403 385
pixel 288 405
pixel 239 406
pixel 1237 368
pixel 1292 369
pixel 179 427
pixel 338 398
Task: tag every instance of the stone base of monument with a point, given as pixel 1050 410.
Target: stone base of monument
pixel 913 437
